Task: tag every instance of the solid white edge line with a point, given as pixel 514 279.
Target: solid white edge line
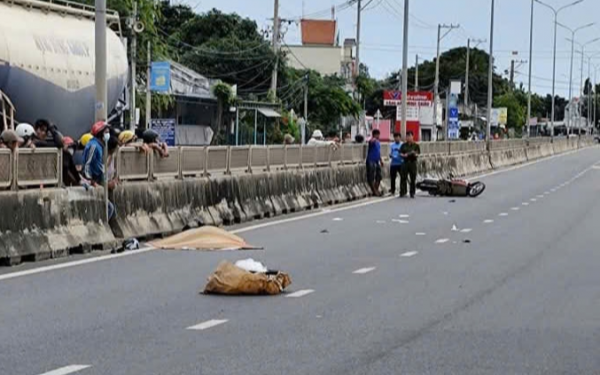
pixel 300 293
pixel 409 254
pixel 362 271
pixel 67 370
pixel 81 262
pixel 208 324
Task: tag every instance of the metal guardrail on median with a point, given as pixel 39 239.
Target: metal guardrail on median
pixel 38 167
pixel 43 167
pixel 6 168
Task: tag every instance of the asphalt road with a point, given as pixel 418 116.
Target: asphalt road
pixel 522 297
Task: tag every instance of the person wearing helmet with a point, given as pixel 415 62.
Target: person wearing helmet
pixel 10 139
pixel 27 134
pixel 127 138
pixel 93 156
pixel 317 139
pixel 47 135
pixel 71 175
pixel 85 139
pixel 152 141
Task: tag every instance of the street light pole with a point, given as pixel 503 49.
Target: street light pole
pixel 573 32
pixel 405 70
pixel 490 79
pixel 530 71
pixel 556 12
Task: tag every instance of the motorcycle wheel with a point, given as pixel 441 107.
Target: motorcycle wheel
pixel 475 189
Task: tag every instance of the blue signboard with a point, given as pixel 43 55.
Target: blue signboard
pixel 165 129
pixel 453 124
pixel 160 76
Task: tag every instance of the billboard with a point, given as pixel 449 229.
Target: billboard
pixel 165 129
pixel 415 98
pixel 160 76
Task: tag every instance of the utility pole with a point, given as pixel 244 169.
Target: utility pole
pixel 148 93
pixel 512 73
pixel 477 42
pixel 305 122
pixel 357 64
pixel 467 75
pixel 490 98
pixel 100 83
pixel 133 66
pixel 530 71
pixel 417 73
pixel 436 85
pixel 276 24
pixel 405 70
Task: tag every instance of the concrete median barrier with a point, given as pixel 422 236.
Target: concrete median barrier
pixel 508 157
pixel 51 223
pixel 165 207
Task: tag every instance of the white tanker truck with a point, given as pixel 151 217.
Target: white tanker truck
pixel 47 62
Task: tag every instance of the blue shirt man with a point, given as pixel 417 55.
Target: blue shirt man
pixel 395 156
pixel 93 168
pixel 374 163
pixel 396 162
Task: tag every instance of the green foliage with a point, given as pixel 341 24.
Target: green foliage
pixel 327 99
pixel 516 111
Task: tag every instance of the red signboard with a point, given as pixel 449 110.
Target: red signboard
pixel 411 126
pixel 416 98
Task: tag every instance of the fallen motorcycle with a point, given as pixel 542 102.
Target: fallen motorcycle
pixel 451 187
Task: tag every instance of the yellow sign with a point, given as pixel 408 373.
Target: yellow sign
pixel 503 116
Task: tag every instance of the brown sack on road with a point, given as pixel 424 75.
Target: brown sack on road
pixel 204 238
pixel 231 280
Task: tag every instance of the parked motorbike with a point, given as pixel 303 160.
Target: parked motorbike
pixel 452 187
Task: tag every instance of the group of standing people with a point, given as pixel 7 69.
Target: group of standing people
pixel 403 163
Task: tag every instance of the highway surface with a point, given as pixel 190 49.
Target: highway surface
pixel 508 283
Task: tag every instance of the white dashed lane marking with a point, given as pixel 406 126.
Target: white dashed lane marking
pixel 466 230
pixel 404 216
pixel 442 240
pixel 208 324
pixel 409 254
pixel 67 370
pixel 488 221
pixel 338 219
pixel 503 214
pixel 362 271
pixel 516 208
pixel 420 234
pixel 533 200
pixel 300 293
pixel 400 221
pixel 525 203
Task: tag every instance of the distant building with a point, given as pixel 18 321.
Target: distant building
pixel 320 49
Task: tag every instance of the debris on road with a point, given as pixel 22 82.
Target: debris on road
pixel 324 231
pixel 229 279
pixel 452 201
pixel 131 244
pixel 467 241
pixel 205 238
pixel 251 265
pixel 454 228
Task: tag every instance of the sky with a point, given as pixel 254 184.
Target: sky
pixel 382 25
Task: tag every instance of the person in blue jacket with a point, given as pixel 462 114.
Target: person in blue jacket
pixel 93 158
pixel 396 161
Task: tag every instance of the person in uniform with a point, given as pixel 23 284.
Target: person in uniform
pixel 410 152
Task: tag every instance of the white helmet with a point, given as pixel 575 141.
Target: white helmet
pixel 25 130
pixel 317 134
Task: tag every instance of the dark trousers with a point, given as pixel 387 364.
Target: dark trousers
pixel 395 172
pixel 408 171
